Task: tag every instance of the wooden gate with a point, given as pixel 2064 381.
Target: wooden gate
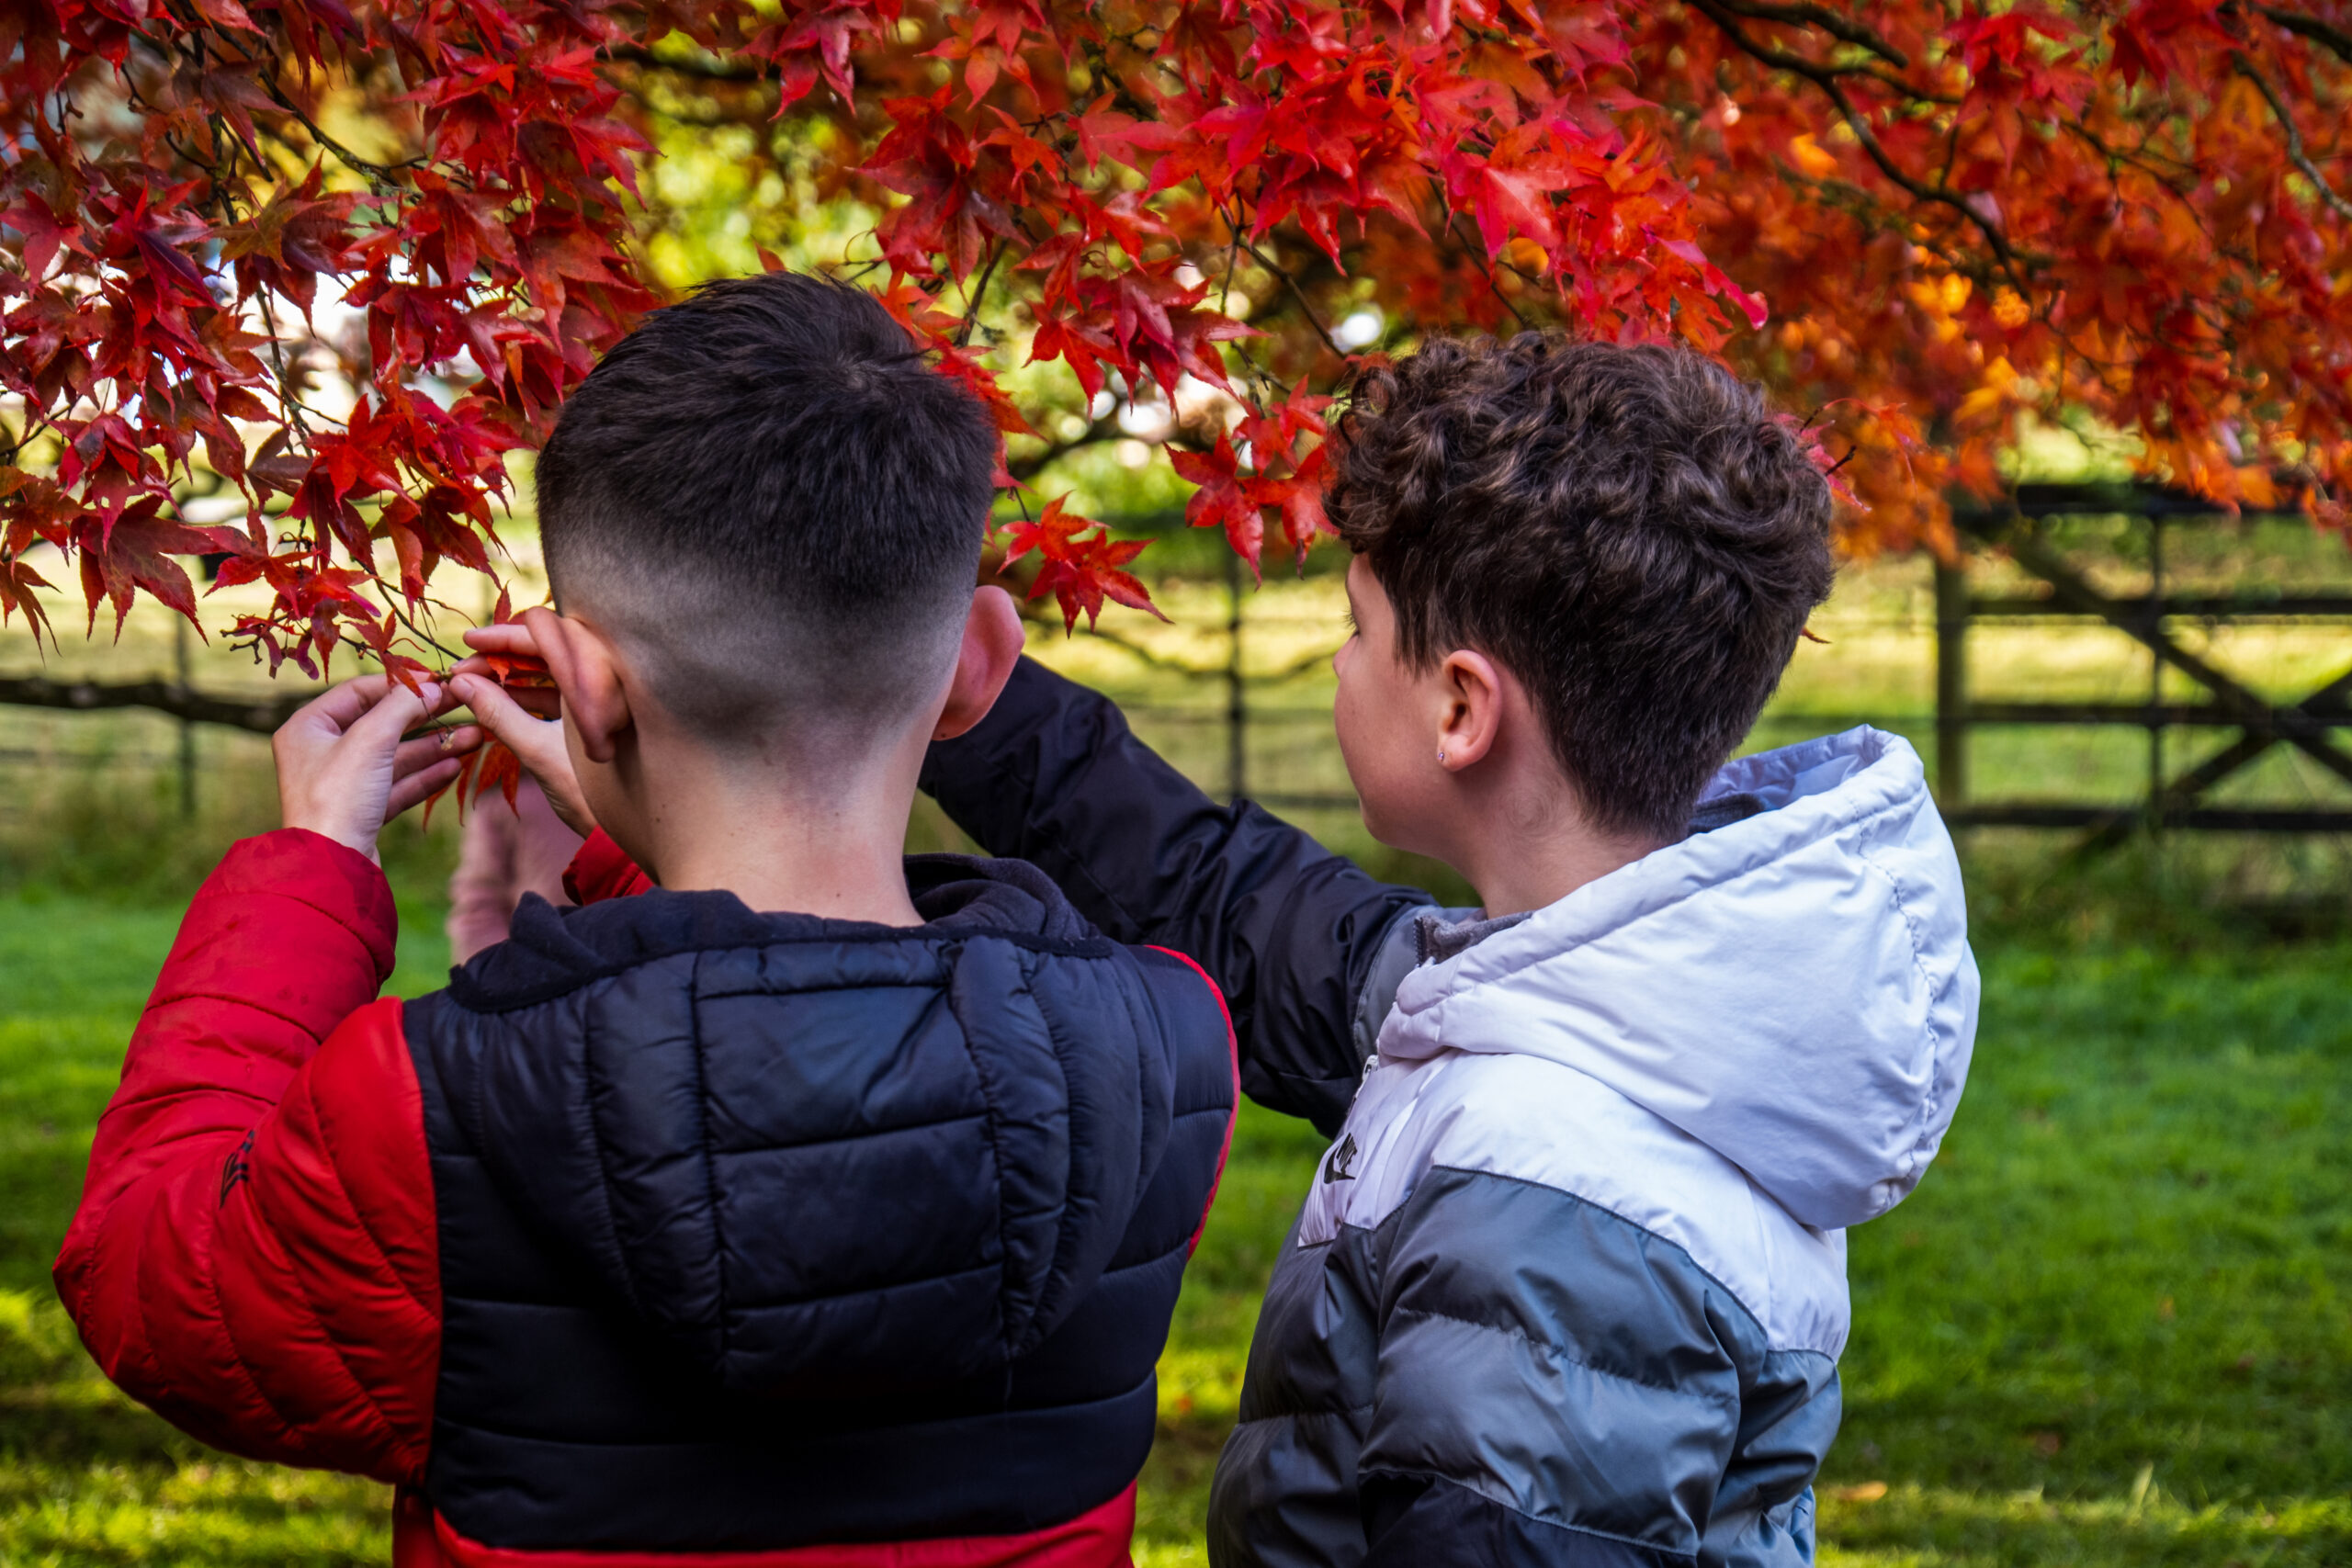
pixel 2063 589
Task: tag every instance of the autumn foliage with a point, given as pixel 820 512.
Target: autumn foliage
pixel 333 260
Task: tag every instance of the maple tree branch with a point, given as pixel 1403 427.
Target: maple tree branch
pixel 1828 21
pixel 451 654
pixel 1825 78
pixel 1477 254
pixel 287 397
pixel 2179 175
pixel 703 70
pixel 1296 292
pixel 2295 150
pixel 2327 37
pixel 1098 64
pixel 980 288
pixel 1224 297
pixel 1842 196
pixel 379 174
pixel 1897 85
pixel 1055 451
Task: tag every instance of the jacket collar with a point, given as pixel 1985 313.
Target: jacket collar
pixel 549 952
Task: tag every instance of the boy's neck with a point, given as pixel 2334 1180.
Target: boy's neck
pixel 1517 874
pixel 716 824
pixel 1518 834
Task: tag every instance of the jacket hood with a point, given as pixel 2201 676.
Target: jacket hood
pixel 1794 989
pixel 820 1156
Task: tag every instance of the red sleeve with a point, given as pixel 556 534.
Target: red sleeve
pixel 255 1254
pixel 602 870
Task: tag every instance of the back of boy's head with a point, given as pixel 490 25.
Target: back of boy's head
pixel 1626 529
pixel 776 508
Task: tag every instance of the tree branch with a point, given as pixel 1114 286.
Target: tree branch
pixel 1029 467
pixel 972 309
pixel 1825 78
pixel 1828 21
pixel 1477 253
pixel 2327 37
pixel 701 70
pixel 2295 151
pixel 379 174
pixel 1233 223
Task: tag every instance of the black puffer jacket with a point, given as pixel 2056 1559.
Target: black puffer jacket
pixel 760 1230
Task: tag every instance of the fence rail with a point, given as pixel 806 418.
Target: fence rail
pixel 1237 701
pixel 259 714
pixel 178 698
pixel 2066 592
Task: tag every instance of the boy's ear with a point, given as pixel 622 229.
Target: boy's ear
pixel 1473 693
pixel 581 661
pixel 993 639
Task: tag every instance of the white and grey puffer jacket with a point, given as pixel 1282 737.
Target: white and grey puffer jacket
pixel 1569 1287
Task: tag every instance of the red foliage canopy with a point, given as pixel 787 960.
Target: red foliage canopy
pixel 1916 218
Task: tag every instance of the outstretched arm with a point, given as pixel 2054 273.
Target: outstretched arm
pixel 1308 948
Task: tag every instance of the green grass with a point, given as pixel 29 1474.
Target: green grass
pixel 86 1477
pixel 2114 1327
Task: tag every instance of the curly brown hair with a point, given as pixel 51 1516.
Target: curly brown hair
pixel 1627 529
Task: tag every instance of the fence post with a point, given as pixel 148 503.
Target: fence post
pixel 1237 701
pixel 2155 673
pixel 187 726
pixel 1951 683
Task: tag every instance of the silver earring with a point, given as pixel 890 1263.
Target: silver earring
pixel 1441 756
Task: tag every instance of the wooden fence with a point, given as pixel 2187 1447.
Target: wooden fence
pixel 2063 589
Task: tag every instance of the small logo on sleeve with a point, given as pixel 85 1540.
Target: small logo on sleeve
pixel 236 1168
pixel 1336 1167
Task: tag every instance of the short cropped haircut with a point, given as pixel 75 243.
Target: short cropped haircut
pixel 1628 530
pixel 776 507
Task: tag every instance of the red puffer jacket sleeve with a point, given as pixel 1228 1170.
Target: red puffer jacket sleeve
pixel 255 1255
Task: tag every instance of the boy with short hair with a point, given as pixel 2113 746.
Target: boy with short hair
pixel 1568 1287
pixel 679 1229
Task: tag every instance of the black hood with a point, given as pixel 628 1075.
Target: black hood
pixel 815 1153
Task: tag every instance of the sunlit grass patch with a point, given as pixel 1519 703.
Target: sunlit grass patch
pixel 87 1477
pixel 1917 1527
pixel 222 1512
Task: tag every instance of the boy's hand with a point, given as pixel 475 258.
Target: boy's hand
pixel 536 742
pixel 342 769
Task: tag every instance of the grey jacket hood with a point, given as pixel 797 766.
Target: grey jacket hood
pixel 1794 989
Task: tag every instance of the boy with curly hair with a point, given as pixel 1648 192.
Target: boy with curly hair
pixel 1569 1285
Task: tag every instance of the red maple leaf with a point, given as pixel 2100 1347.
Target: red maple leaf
pixel 134 554
pixel 1082 564
pixel 1965 210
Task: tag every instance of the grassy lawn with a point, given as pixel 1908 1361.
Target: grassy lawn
pixel 2113 1326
